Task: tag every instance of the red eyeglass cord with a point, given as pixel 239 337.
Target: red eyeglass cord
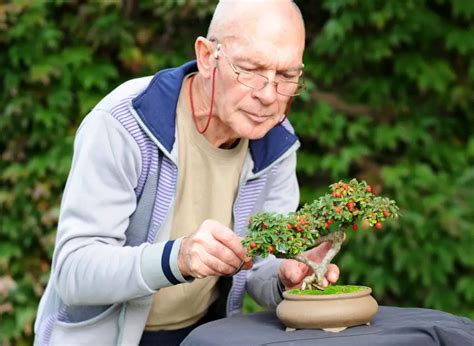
pixel 212 102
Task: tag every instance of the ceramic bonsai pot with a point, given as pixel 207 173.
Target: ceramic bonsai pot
pixel 332 312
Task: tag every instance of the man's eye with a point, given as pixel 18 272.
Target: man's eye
pixel 289 76
pixel 246 69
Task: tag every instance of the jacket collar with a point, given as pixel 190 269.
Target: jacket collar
pixel 156 107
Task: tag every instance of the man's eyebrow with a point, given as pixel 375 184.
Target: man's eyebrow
pixel 251 61
pixel 259 65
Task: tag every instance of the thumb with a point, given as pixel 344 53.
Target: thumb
pixel 318 253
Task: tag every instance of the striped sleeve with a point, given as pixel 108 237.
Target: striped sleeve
pixel 159 264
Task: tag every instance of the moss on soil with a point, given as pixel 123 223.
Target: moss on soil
pixel 333 289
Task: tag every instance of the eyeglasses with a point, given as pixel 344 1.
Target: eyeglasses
pixel 291 87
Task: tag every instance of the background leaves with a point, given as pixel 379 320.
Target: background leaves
pixel 390 100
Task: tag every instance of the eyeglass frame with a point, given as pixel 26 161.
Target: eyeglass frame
pixel 300 84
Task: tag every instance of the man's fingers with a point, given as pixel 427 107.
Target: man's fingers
pixel 295 276
pixel 332 274
pixel 204 265
pixel 303 267
pixel 292 272
pixel 229 239
pixel 201 270
pixel 223 253
pixel 217 266
pixel 215 246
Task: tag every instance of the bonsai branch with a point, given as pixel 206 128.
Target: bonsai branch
pixel 323 239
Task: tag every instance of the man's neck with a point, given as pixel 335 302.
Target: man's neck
pixel 218 134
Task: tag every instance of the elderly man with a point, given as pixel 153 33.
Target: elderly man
pixel 166 172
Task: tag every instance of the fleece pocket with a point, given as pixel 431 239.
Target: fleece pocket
pixel 102 329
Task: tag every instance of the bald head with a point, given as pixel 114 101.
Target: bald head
pixel 243 19
pixel 248 40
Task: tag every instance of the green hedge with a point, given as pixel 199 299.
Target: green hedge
pixel 390 99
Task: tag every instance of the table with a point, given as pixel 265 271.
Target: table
pixel 391 326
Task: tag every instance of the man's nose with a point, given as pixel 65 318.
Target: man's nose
pixel 268 94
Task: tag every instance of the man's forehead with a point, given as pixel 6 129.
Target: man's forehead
pixel 258 54
pixel 260 64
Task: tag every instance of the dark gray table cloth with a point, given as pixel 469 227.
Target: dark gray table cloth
pixel 391 326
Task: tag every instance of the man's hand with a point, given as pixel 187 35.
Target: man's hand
pixel 292 272
pixel 212 250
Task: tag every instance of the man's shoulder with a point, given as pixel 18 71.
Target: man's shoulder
pixel 124 93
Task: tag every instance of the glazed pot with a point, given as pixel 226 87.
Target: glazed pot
pixel 334 312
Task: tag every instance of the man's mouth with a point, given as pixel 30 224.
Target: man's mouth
pixel 259 118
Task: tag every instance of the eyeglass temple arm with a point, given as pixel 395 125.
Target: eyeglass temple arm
pixel 216 52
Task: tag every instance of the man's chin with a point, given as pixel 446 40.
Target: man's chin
pixel 252 131
pixel 257 133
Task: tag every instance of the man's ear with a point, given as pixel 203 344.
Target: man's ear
pixel 205 56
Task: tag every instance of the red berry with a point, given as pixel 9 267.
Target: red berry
pixel 264 226
pixel 270 249
pixel 253 245
pixel 386 213
pixel 326 225
pixel 330 221
pixel 289 226
pixel 355 227
pixel 336 194
pixel 368 188
pixel 338 210
pixel 344 186
pixel 378 225
pixel 305 239
pixel 298 228
pixel 350 206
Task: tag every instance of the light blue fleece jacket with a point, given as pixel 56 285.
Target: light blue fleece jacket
pixel 112 248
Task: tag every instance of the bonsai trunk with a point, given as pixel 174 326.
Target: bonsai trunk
pixel 315 280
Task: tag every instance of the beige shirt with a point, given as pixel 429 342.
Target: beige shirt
pixel 206 189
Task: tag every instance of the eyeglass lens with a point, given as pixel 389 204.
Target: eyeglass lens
pixel 256 81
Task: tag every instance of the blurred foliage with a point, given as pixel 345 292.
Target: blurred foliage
pixel 389 100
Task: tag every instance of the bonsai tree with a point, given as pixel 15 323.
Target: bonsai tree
pixel 325 219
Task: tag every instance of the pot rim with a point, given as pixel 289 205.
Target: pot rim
pixel 337 296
